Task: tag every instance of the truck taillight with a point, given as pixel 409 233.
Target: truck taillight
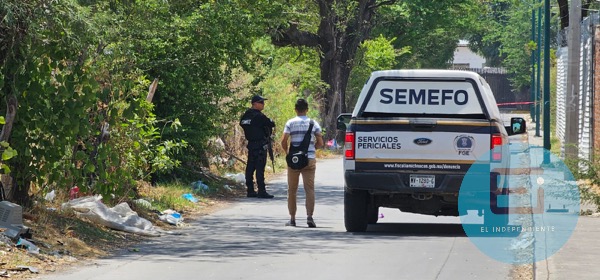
pixel 496 147
pixel 349 145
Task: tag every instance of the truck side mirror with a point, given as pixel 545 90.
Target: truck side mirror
pixel 517 126
pixel 343 120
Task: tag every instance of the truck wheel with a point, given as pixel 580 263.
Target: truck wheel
pixel 355 211
pixel 372 213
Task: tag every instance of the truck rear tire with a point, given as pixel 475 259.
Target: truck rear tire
pixel 372 213
pixel 355 210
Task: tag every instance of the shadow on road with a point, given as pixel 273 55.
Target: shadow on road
pixel 254 227
pixel 216 240
pixel 415 229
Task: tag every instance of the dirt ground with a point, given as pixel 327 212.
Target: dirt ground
pixel 522 272
pixel 65 241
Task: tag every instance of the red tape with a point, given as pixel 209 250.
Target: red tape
pixel 516 103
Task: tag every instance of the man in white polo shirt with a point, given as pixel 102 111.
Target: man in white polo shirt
pixel 294 131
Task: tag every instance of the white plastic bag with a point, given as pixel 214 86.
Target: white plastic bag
pixel 120 217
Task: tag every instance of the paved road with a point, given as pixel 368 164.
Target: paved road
pixel 248 240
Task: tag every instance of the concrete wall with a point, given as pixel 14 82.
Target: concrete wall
pixel 465 58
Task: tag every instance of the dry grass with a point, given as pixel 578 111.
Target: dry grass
pixel 65 240
pixel 590 194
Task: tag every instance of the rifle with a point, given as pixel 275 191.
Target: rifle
pixel 270 148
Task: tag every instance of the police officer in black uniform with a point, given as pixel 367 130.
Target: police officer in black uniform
pixel 257 129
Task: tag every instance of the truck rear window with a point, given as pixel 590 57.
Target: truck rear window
pixel 418 98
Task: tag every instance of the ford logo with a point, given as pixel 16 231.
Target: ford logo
pixel 422 141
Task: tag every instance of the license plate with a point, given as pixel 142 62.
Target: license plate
pixel 422 181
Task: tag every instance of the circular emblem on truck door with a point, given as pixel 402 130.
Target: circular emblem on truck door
pixel 422 141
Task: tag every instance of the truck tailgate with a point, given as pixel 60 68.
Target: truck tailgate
pixel 428 145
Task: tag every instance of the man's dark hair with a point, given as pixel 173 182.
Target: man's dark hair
pixel 301 105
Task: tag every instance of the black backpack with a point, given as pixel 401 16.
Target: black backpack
pixel 297 157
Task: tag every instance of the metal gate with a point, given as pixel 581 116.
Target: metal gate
pixel 499 82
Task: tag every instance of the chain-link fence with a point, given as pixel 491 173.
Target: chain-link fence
pixel 583 103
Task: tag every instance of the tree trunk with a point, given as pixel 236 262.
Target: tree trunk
pixel 11 113
pixel 563 12
pixel 338 38
pixel 335 72
pixel 20 193
pixel 20 185
pixel 585 8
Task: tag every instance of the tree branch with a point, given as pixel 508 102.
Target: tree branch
pixel 382 3
pixel 294 37
pixel 563 11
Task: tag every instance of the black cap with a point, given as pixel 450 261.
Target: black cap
pixel 258 98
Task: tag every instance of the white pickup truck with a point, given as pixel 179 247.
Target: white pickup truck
pixel 412 137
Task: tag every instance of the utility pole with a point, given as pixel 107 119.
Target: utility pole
pixel 547 81
pixel 572 96
pixel 532 86
pixel 538 87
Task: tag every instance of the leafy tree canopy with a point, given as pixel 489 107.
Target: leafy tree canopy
pixel 428 31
